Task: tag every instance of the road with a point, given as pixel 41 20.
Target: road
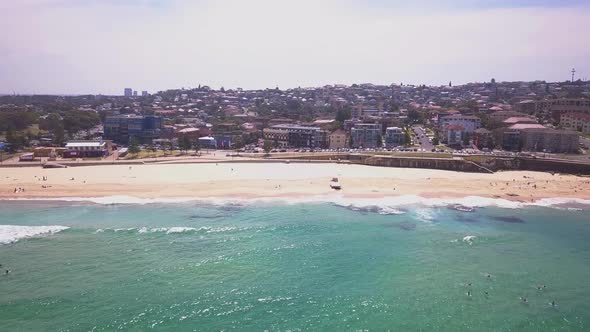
pixel 424 141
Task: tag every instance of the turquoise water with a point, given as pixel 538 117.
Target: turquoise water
pixel 316 267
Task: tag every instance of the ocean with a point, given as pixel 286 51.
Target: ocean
pixel 277 266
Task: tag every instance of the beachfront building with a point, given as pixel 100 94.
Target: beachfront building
pixel 338 139
pixel 510 139
pixel 549 140
pixel 295 136
pixel 87 149
pixel 469 122
pixel 394 136
pixel 576 121
pixel 452 135
pixel 365 135
pixel 121 128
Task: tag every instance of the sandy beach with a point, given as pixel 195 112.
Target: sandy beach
pixel 262 180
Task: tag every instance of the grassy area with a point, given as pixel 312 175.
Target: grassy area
pixel 414 154
pixel 143 154
pixel 443 147
pixel 6 156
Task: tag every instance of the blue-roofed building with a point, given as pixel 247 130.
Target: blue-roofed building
pixel 121 128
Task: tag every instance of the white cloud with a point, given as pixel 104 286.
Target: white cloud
pixel 263 43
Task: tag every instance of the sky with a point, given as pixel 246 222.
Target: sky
pixel 103 46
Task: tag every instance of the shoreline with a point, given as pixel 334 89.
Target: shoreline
pixel 389 201
pixel 280 181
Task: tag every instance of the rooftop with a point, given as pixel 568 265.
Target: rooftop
pixel 522 119
pixel 78 144
pixel 520 126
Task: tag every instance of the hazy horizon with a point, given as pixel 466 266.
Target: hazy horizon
pixel 72 47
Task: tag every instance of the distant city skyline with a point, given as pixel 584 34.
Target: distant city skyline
pixel 101 47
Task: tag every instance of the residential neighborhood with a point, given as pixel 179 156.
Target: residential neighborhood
pixel 477 117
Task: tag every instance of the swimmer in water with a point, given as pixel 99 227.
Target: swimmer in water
pixel 486 293
pixel 553 304
pixel 468 293
pixel 523 299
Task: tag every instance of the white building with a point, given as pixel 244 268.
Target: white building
pixel 469 122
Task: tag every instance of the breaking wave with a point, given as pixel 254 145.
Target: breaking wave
pixel 384 205
pixel 11 233
pixel 170 230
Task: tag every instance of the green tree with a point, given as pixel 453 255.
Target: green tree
pixel 17 120
pixel 267 146
pixel 197 146
pixel 15 140
pixel 184 143
pixel 435 140
pixel 414 116
pixel 407 137
pixel 466 138
pixel 134 145
pixel 74 121
pixel 343 114
pixel 58 136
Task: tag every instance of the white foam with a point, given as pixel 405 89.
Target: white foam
pixel 12 233
pixel 388 204
pixel 425 215
pixel 389 210
pixel 181 229
pixel 469 238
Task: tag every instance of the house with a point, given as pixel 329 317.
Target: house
pixel 337 139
